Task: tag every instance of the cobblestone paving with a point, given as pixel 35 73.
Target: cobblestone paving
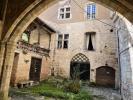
pixel 100 93
pixel 107 93
pixel 27 98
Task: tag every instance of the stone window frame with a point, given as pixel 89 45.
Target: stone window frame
pixel 64 13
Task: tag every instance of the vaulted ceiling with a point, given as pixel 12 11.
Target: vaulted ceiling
pixel 11 9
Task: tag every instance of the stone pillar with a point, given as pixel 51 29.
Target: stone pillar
pixel 2 50
pixel 7 69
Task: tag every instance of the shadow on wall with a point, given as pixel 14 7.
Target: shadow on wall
pixel 125 53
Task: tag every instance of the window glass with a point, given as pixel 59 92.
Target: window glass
pixel 65 44
pixel 64 13
pixel 66 36
pixel 63 41
pixel 62 10
pixel 25 37
pixel 67 15
pixel 91 11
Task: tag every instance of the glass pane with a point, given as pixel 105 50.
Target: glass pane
pixel 65 44
pixel 60 37
pixel 59 44
pixel 66 36
pixel 62 10
pixel 61 16
pixel 89 9
pixel 68 9
pixel 25 37
pixel 67 15
pixel 93 15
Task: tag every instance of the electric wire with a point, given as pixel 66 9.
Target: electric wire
pixel 101 20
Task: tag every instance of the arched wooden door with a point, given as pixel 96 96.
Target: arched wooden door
pixel 81 64
pixel 105 76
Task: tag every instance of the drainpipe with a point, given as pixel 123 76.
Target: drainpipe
pixel 119 62
pixel 49 41
pixel 38 28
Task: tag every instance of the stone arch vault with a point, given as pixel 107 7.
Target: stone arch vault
pixel 16 15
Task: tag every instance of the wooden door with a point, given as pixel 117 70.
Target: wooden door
pixel 105 76
pixel 35 69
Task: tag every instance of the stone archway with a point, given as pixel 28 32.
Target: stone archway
pixel 24 18
pixel 105 76
pixel 80 64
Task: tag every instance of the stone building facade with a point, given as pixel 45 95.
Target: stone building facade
pixel 31 60
pixel 14 19
pixel 81 40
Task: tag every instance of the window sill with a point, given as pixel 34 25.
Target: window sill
pixel 89 50
pixel 62 48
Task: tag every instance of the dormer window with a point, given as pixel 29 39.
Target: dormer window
pixel 64 12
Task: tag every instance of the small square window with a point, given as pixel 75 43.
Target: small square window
pixel 90 41
pixel 65 44
pixel 59 44
pixel 60 37
pixel 61 16
pixel 64 13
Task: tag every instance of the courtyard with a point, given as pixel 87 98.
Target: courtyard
pixel 57 89
pixel 66 50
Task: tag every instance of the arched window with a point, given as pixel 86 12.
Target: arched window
pixel 80 58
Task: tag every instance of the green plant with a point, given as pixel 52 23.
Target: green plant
pixel 83 95
pixel 47 89
pixel 76 72
pixel 72 86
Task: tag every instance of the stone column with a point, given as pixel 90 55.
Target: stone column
pixel 7 69
pixel 2 50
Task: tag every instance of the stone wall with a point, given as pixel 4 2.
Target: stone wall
pixel 78 14
pixel 124 30
pixel 23 67
pixel 105 52
pixel 22 63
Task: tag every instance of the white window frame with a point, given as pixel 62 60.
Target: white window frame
pixel 63 39
pixel 64 13
pixel 90 4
